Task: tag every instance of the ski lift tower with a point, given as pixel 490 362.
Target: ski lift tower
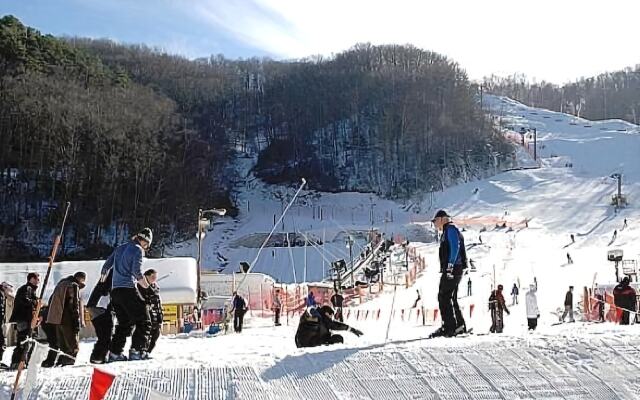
pixel 618 199
pixel 615 256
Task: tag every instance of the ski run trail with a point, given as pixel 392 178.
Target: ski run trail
pixel 569 193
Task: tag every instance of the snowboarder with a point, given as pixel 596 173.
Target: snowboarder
pixel 480 239
pixel 311 299
pixel 498 307
pixel 624 225
pixel 131 311
pixel 568 306
pixel 239 309
pixel 569 259
pixel 469 287
pixel 573 238
pixel 65 314
pixel 277 307
pixel 337 301
pixel 514 294
pixel 624 296
pixel 5 290
pixel 151 297
pixel 533 313
pixel 315 327
pixel 615 235
pixel 101 313
pixel 453 262
pixel 24 305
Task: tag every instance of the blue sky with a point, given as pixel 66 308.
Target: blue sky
pixel 170 25
pixel 551 40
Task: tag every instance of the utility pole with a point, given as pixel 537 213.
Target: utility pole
pixel 535 144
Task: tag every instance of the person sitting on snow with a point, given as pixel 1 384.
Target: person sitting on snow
pixel 315 327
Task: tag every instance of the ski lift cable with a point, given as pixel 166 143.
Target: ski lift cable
pixel 316 247
pixel 266 240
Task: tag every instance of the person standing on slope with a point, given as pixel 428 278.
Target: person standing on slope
pixel 24 305
pixel 453 262
pixel 131 311
pixel 337 300
pixel 100 311
pixel 65 314
pixel 568 305
pixel 498 307
pixel 276 305
pixel 311 299
pixel 514 294
pixel 151 297
pixel 533 313
pixel 624 296
pixel 239 309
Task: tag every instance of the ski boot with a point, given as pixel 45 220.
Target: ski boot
pixel 135 355
pixel 116 357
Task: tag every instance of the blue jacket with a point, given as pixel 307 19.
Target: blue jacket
pixel 126 261
pixel 311 301
pixel 452 250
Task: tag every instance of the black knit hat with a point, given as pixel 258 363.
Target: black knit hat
pixel 145 235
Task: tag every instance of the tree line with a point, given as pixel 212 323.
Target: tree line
pixel 135 137
pixel 611 95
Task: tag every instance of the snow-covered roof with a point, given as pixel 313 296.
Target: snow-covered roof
pixel 177 277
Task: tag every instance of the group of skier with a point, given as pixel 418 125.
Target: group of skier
pixel 123 290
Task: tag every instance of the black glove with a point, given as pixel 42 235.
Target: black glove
pixel 355 332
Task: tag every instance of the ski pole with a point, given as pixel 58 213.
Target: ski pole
pixel 34 318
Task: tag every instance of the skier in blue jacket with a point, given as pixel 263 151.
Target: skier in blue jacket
pixel 453 262
pixel 126 301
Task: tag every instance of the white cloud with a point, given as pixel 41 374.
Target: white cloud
pixel 553 40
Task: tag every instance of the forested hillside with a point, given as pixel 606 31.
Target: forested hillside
pixel 135 137
pixel 606 96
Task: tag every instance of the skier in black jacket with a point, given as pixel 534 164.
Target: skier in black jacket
pixel 453 262
pixel 316 325
pixel 154 306
pixel 99 308
pixel 24 306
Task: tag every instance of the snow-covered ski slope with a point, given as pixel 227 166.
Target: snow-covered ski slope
pixel 572 361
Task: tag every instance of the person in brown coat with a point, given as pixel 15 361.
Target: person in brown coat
pixel 65 314
pixel 498 307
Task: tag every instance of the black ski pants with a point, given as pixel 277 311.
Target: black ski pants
pixel 131 313
pixel 448 303
pixel 3 345
pixel 533 323
pixel 238 318
pixel 103 324
pixel 276 313
pixel 154 334
pixel 24 332
pixel 52 340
